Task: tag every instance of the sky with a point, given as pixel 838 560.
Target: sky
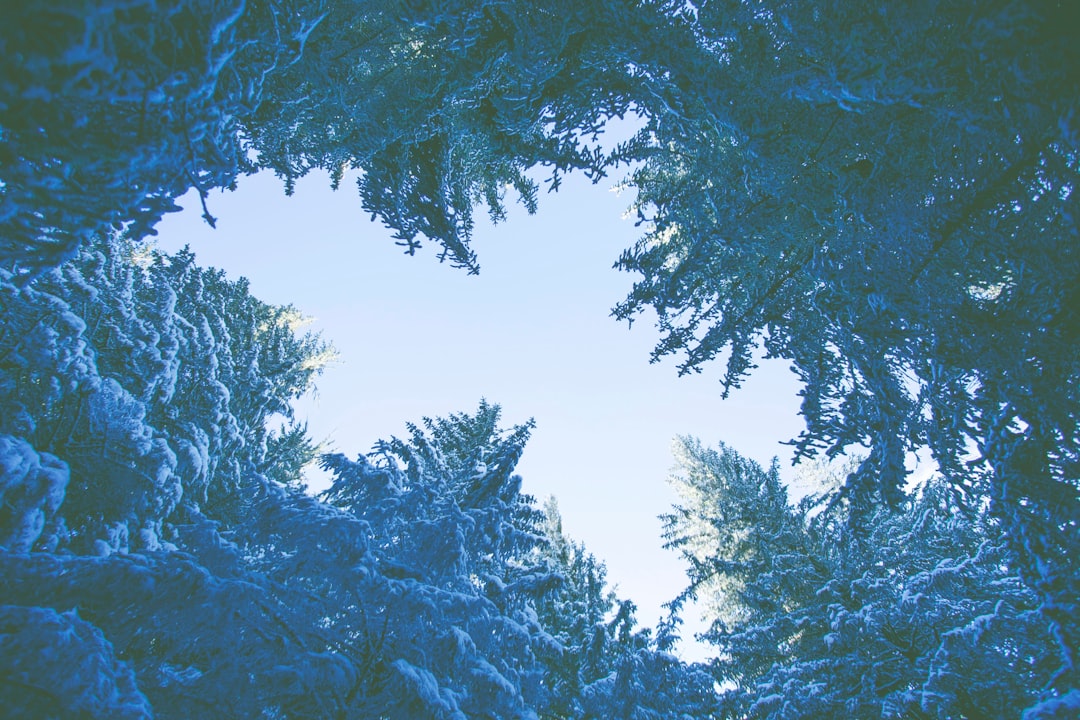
pixel 532 332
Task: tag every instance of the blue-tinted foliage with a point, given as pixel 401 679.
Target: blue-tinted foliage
pixel 916 615
pixel 882 194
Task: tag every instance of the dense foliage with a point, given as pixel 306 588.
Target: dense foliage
pixel 883 194
pixel 112 110
pixel 159 555
pixel 918 616
pixel 110 115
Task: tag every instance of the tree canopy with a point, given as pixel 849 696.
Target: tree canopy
pixel 920 616
pixel 883 195
pixel 161 556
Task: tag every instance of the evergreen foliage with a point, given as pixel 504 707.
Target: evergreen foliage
pixel 607 668
pixel 918 616
pixel 110 111
pixel 881 194
pixel 153 372
pixel 884 195
pixel 109 115
pixel 160 555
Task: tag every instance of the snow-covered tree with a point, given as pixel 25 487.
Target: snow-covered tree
pixel 55 665
pixel 155 540
pixel 111 112
pixel 576 612
pixel 918 614
pixel 152 530
pixel 136 394
pixel 884 195
pixel 447 621
pixel 607 667
pixel 151 371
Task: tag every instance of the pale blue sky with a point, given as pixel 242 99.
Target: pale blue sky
pixel 532 332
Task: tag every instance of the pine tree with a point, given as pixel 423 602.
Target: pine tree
pixel 453 540
pixel 884 196
pixel 917 615
pixel 155 373
pixel 132 426
pixel 111 115
pixel 607 665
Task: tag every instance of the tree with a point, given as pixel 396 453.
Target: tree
pixel 446 105
pixel 409 596
pixel 138 393
pixel 108 116
pixel 575 612
pixel 918 616
pixel 884 196
pixel 891 208
pixel 156 373
pixel 109 113
pixel 447 622
pixel 607 666
pixel 94 683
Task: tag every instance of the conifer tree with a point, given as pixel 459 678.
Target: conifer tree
pixel 884 196
pixel 917 615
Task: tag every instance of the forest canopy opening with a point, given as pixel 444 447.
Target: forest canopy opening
pixel 882 195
